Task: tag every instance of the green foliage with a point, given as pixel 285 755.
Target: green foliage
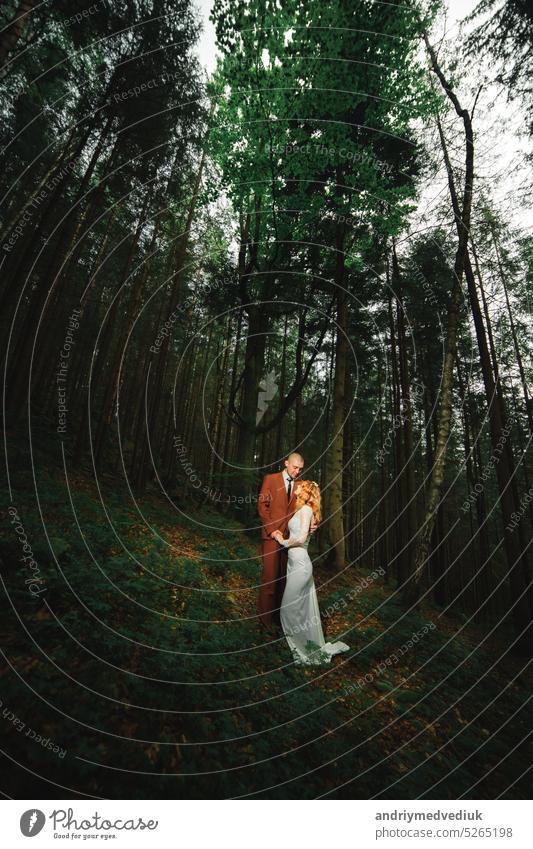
pixel 287 132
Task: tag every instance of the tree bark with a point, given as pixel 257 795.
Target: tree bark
pixel 414 587
pixel 503 460
pixel 503 277
pixel 12 33
pixel 334 477
pixel 161 358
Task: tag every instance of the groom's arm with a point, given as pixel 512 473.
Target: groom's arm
pixel 263 504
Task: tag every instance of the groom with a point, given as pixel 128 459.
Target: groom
pixel 276 505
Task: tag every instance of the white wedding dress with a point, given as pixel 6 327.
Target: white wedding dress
pixel 299 613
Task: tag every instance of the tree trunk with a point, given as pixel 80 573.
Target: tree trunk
pixel 407 515
pixel 414 588
pixel 27 250
pixel 514 543
pixel 298 403
pixel 227 453
pixel 334 476
pixel 216 418
pixel 113 372
pixel 42 298
pixel 481 564
pixel 12 33
pixel 518 353
pixel 161 358
pixel 396 488
pixel 254 359
pixel 322 540
pixel 279 430
pixel 514 539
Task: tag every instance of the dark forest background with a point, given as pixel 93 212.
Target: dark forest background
pixel 199 274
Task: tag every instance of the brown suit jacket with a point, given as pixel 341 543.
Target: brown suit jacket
pixel 272 505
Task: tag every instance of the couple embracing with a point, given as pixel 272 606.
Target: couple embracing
pixel 290 512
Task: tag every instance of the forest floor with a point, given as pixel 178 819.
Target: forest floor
pixel 142 661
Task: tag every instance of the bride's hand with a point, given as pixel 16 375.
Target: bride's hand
pixel 278 536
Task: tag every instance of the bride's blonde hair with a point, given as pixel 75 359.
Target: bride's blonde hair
pixel 309 493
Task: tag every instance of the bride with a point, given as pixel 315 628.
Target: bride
pixel 300 615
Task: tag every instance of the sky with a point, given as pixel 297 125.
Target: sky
pixel 206 46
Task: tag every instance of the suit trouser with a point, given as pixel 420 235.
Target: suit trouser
pixel 272 582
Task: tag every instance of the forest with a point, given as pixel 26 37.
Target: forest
pixel 320 243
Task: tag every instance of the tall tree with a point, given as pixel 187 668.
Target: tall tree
pixel 414 586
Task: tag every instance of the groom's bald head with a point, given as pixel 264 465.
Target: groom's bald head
pixel 295 457
pixel 294 464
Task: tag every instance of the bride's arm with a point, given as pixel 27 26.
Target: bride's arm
pixel 306 514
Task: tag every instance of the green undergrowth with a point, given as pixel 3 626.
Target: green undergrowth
pixel 140 660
